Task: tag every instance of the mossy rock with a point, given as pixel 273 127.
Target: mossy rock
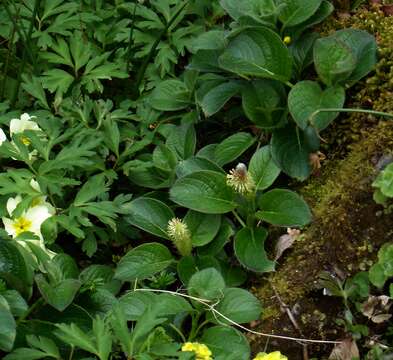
pixel 347 231
pixel 348 226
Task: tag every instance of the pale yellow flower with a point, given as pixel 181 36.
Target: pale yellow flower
pixel 29 221
pixel 276 355
pixel 202 352
pixel 287 40
pixel 3 137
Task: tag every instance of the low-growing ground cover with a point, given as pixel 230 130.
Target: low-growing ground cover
pixel 151 152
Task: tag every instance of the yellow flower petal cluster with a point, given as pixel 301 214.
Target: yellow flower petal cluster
pixel 276 355
pixel 202 352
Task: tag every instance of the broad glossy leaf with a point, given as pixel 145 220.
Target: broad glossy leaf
pixel 364 47
pixel 265 103
pixel 263 169
pixel 302 53
pixel 135 304
pixel 238 305
pixel 306 97
pixel 321 14
pixel 257 52
pixel 60 295
pixel 232 147
pixel 7 326
pixel 290 151
pixel 206 284
pixel 204 191
pixel 170 95
pixel 223 236
pixel 282 207
pixel 203 227
pixel 189 265
pixel 143 261
pixel 294 12
pixel 150 215
pixel 345 57
pixel 16 302
pixel 211 40
pixel 217 97
pixel 249 246
pixel 13 266
pixel 226 343
pixel 182 140
pixel 195 163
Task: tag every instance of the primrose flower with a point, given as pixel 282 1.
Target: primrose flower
pixel 276 355
pixel 179 233
pixel 40 200
pixel 18 126
pixel 240 180
pixel 29 221
pixel 3 137
pixel 202 352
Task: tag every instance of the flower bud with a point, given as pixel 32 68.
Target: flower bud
pixel 179 233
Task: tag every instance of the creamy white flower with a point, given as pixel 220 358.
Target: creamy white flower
pixel 41 200
pixel 30 220
pixel 3 137
pixel 24 123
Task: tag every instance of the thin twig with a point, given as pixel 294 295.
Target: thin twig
pixel 211 308
pixel 286 308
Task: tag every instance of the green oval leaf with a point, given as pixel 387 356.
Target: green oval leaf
pixel 265 103
pixel 204 191
pixel 282 207
pixel 238 305
pixel 306 97
pixel 290 151
pixel 7 326
pixel 203 227
pixel 217 97
pixel 249 247
pixel 294 12
pixel 257 52
pixel 170 95
pixel 193 164
pixel 206 284
pixel 226 343
pixel 345 56
pixel 263 169
pixel 150 215
pixel 143 261
pixel 232 147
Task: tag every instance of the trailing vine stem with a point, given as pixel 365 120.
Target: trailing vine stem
pixel 234 323
pixel 372 112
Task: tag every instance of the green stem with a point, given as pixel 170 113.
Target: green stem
pixel 238 218
pixel 129 48
pixel 194 326
pixel 141 72
pixel 33 307
pixel 7 62
pixel 24 56
pixel 378 113
pixel 201 326
pixel 183 339
pixel 18 30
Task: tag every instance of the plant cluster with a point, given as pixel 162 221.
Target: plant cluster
pixel 126 179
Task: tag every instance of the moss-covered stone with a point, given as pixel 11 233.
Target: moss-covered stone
pixel 348 227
